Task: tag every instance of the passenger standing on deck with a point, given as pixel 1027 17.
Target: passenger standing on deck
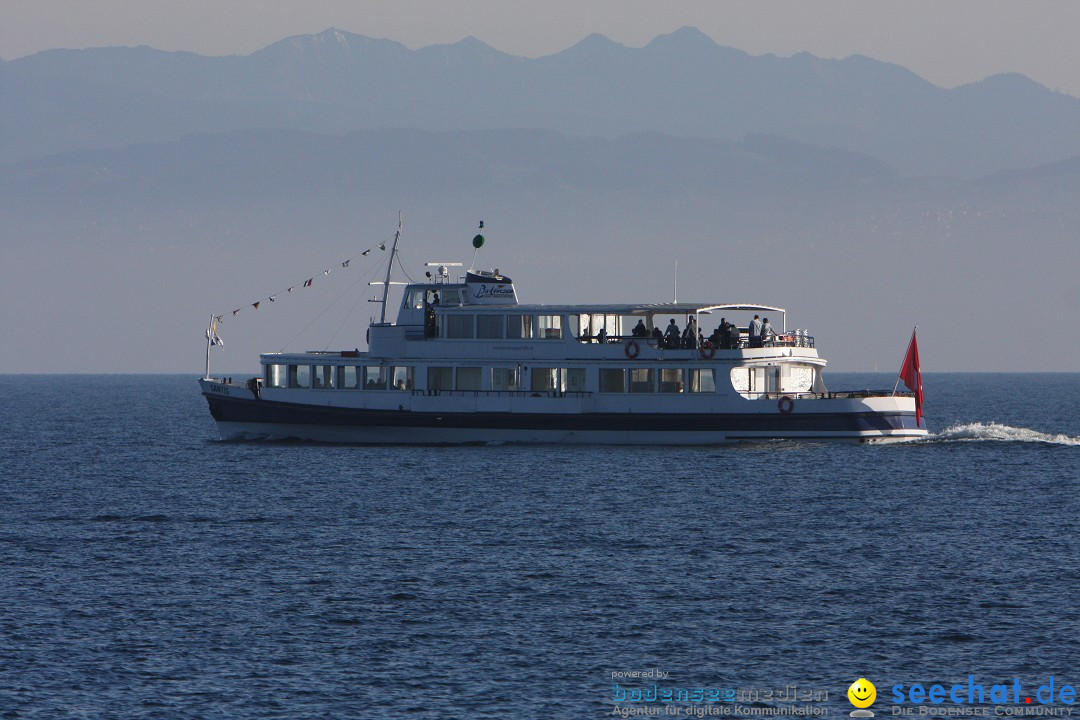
pixel 690 334
pixel 640 330
pixel 755 332
pixel 720 335
pixel 767 332
pixel 672 336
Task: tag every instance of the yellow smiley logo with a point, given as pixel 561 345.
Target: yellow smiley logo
pixel 862 693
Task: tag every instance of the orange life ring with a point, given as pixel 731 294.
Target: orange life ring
pixel 707 350
pixel 632 349
pixel 786 404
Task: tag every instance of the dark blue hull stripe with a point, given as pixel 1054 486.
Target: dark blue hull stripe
pixel 275 413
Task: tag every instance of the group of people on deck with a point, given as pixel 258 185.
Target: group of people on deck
pixel 760 332
pixel 726 336
pixel 673 338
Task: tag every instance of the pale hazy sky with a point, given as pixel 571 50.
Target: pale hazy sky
pixel 948 42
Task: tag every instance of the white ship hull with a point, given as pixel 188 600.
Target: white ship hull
pixel 406 418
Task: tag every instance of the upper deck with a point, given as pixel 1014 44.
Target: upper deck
pixel 479 317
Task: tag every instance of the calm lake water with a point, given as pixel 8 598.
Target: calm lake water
pixel 148 570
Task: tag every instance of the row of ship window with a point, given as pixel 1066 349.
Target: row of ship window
pixel 536 379
pixel 498 327
pixel 528 327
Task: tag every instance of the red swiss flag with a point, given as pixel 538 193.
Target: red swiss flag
pixel 912 377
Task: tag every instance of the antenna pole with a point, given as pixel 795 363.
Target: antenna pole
pixel 675 284
pixel 209 332
pixel 389 268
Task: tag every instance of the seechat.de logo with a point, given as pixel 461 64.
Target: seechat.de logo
pixel 862 694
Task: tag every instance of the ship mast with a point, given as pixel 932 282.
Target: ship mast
pixel 389 268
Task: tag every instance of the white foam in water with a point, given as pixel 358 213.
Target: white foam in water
pixel 1000 433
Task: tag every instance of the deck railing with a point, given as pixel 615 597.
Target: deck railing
pixel 503 393
pixel 795 339
pixel 831 395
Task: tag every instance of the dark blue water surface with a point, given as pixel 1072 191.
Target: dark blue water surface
pixel 148 570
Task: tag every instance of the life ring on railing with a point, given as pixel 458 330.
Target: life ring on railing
pixel 707 350
pixel 786 404
pixel 632 349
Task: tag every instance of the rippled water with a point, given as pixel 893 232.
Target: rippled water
pixel 150 571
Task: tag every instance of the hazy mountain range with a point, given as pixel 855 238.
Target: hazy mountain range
pixel 682 84
pixel 144 190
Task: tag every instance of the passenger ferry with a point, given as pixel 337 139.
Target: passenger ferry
pixel 466 363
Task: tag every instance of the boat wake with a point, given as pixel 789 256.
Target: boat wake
pixel 994 432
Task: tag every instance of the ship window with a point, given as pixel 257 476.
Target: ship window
pixel 544 379
pixel 550 326
pixel 324 377
pixel 440 378
pixel 451 297
pixel 702 380
pixel 351 379
pixel 578 324
pixel 504 379
pixel 459 326
pixel 519 327
pixel 490 326
pixel 642 380
pixel 401 378
pixel 772 379
pixel 612 380
pixel 760 380
pixel 741 380
pixel 591 325
pixel 415 299
pixel 574 380
pixel 374 378
pixel 801 379
pixel 671 380
pixel 581 327
pixel 276 376
pixel 468 378
pixel 299 376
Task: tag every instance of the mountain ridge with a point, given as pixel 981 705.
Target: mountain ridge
pixel 681 83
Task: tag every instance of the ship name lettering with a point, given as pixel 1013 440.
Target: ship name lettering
pixel 486 291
